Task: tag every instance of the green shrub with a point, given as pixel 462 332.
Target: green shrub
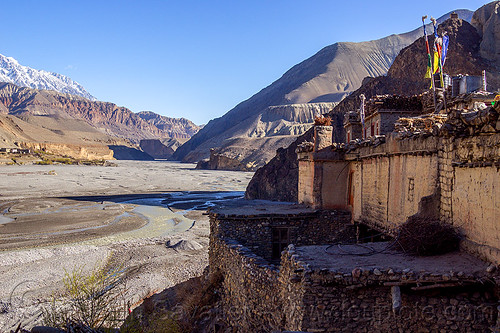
pixel 64 160
pixel 94 300
pixel 44 162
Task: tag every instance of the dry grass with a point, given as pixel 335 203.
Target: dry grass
pixel 322 121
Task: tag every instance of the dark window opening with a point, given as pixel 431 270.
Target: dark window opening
pixel 281 239
pixel 365 234
pixel 372 130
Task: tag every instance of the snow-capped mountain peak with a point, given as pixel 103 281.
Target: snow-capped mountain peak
pixel 13 72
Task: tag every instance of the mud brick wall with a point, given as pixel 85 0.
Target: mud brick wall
pixel 255 232
pixel 390 180
pixel 474 193
pixel 460 175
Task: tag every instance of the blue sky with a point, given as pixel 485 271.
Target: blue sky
pixel 192 59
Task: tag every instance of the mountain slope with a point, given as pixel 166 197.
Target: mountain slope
pixel 404 77
pixel 179 128
pixel 105 117
pixel 23 76
pixel 327 76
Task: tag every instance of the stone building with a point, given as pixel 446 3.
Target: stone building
pixel 314 266
pixel 381 112
pixel 450 176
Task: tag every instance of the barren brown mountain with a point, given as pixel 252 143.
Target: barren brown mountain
pixel 328 76
pixel 405 77
pixel 44 117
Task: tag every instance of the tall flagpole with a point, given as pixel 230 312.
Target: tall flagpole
pixel 440 60
pixel 441 65
pixel 429 72
pixel 362 115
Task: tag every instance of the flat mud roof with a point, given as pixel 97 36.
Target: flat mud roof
pixel 370 256
pixel 261 208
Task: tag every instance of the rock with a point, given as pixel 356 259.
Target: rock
pixel 356 273
pixel 185 245
pixel 278 179
pixel 491 268
pixel 203 164
pixel 486 20
pixel 377 272
pixel 161 148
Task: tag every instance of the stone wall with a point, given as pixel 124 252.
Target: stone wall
pixel 255 231
pixel 361 301
pixel 260 297
pixel 251 299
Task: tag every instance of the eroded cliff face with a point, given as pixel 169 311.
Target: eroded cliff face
pixel 278 179
pixel 60 123
pixel 405 77
pixel 255 142
pixel 79 152
pixel 78 139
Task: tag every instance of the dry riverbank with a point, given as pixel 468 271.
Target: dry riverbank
pixel 56 218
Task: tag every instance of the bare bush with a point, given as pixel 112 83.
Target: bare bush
pixel 93 300
pixel 427 237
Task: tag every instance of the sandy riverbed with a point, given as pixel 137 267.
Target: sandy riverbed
pixel 57 218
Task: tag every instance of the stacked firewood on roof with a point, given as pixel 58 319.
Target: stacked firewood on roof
pixel 472 122
pixel 458 122
pixel 393 102
pixel 430 123
pixel 427 102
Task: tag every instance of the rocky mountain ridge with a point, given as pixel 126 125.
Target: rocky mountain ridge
pixel 179 128
pixel 13 72
pixel 105 117
pixel 328 76
pixel 78 127
pixel 161 148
